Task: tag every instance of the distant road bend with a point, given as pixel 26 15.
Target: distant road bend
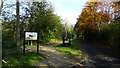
pixel 100 57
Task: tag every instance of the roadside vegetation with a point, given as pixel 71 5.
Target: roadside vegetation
pixel 71 50
pixel 35 16
pixel 19 60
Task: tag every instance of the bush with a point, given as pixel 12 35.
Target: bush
pixel 42 41
pixel 9 44
pixel 110 35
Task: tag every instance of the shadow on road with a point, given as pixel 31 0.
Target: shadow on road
pixel 99 56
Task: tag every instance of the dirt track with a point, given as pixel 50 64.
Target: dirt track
pixel 54 58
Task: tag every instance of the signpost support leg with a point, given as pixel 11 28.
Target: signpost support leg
pixel 38 44
pixel 69 40
pixel 37 48
pixel 24 45
pixel 24 49
pixel 63 40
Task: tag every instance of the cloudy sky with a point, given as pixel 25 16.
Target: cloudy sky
pixel 69 10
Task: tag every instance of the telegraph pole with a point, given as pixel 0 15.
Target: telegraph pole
pixel 1 6
pixel 18 23
pixel 66 29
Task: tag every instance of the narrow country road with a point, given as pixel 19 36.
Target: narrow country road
pixel 54 58
pixel 99 57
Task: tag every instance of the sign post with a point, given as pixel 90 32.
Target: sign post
pixel 31 36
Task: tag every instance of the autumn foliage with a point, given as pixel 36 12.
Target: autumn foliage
pixel 100 22
pixel 91 20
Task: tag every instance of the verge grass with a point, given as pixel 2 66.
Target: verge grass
pixel 18 59
pixel 71 50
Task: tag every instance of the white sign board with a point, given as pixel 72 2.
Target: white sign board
pixel 31 35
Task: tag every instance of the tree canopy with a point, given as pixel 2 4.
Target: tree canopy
pixel 35 16
pixel 99 22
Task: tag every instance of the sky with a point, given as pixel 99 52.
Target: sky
pixel 69 10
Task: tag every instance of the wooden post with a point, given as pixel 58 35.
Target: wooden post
pixel 37 43
pixel 69 40
pixel 24 45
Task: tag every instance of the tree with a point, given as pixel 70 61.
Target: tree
pixel 99 21
pixel 116 6
pixel 90 20
pixel 36 16
pixel 40 17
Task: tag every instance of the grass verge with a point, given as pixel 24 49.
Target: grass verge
pixel 28 46
pixel 51 41
pixel 54 40
pixel 72 50
pixel 18 60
